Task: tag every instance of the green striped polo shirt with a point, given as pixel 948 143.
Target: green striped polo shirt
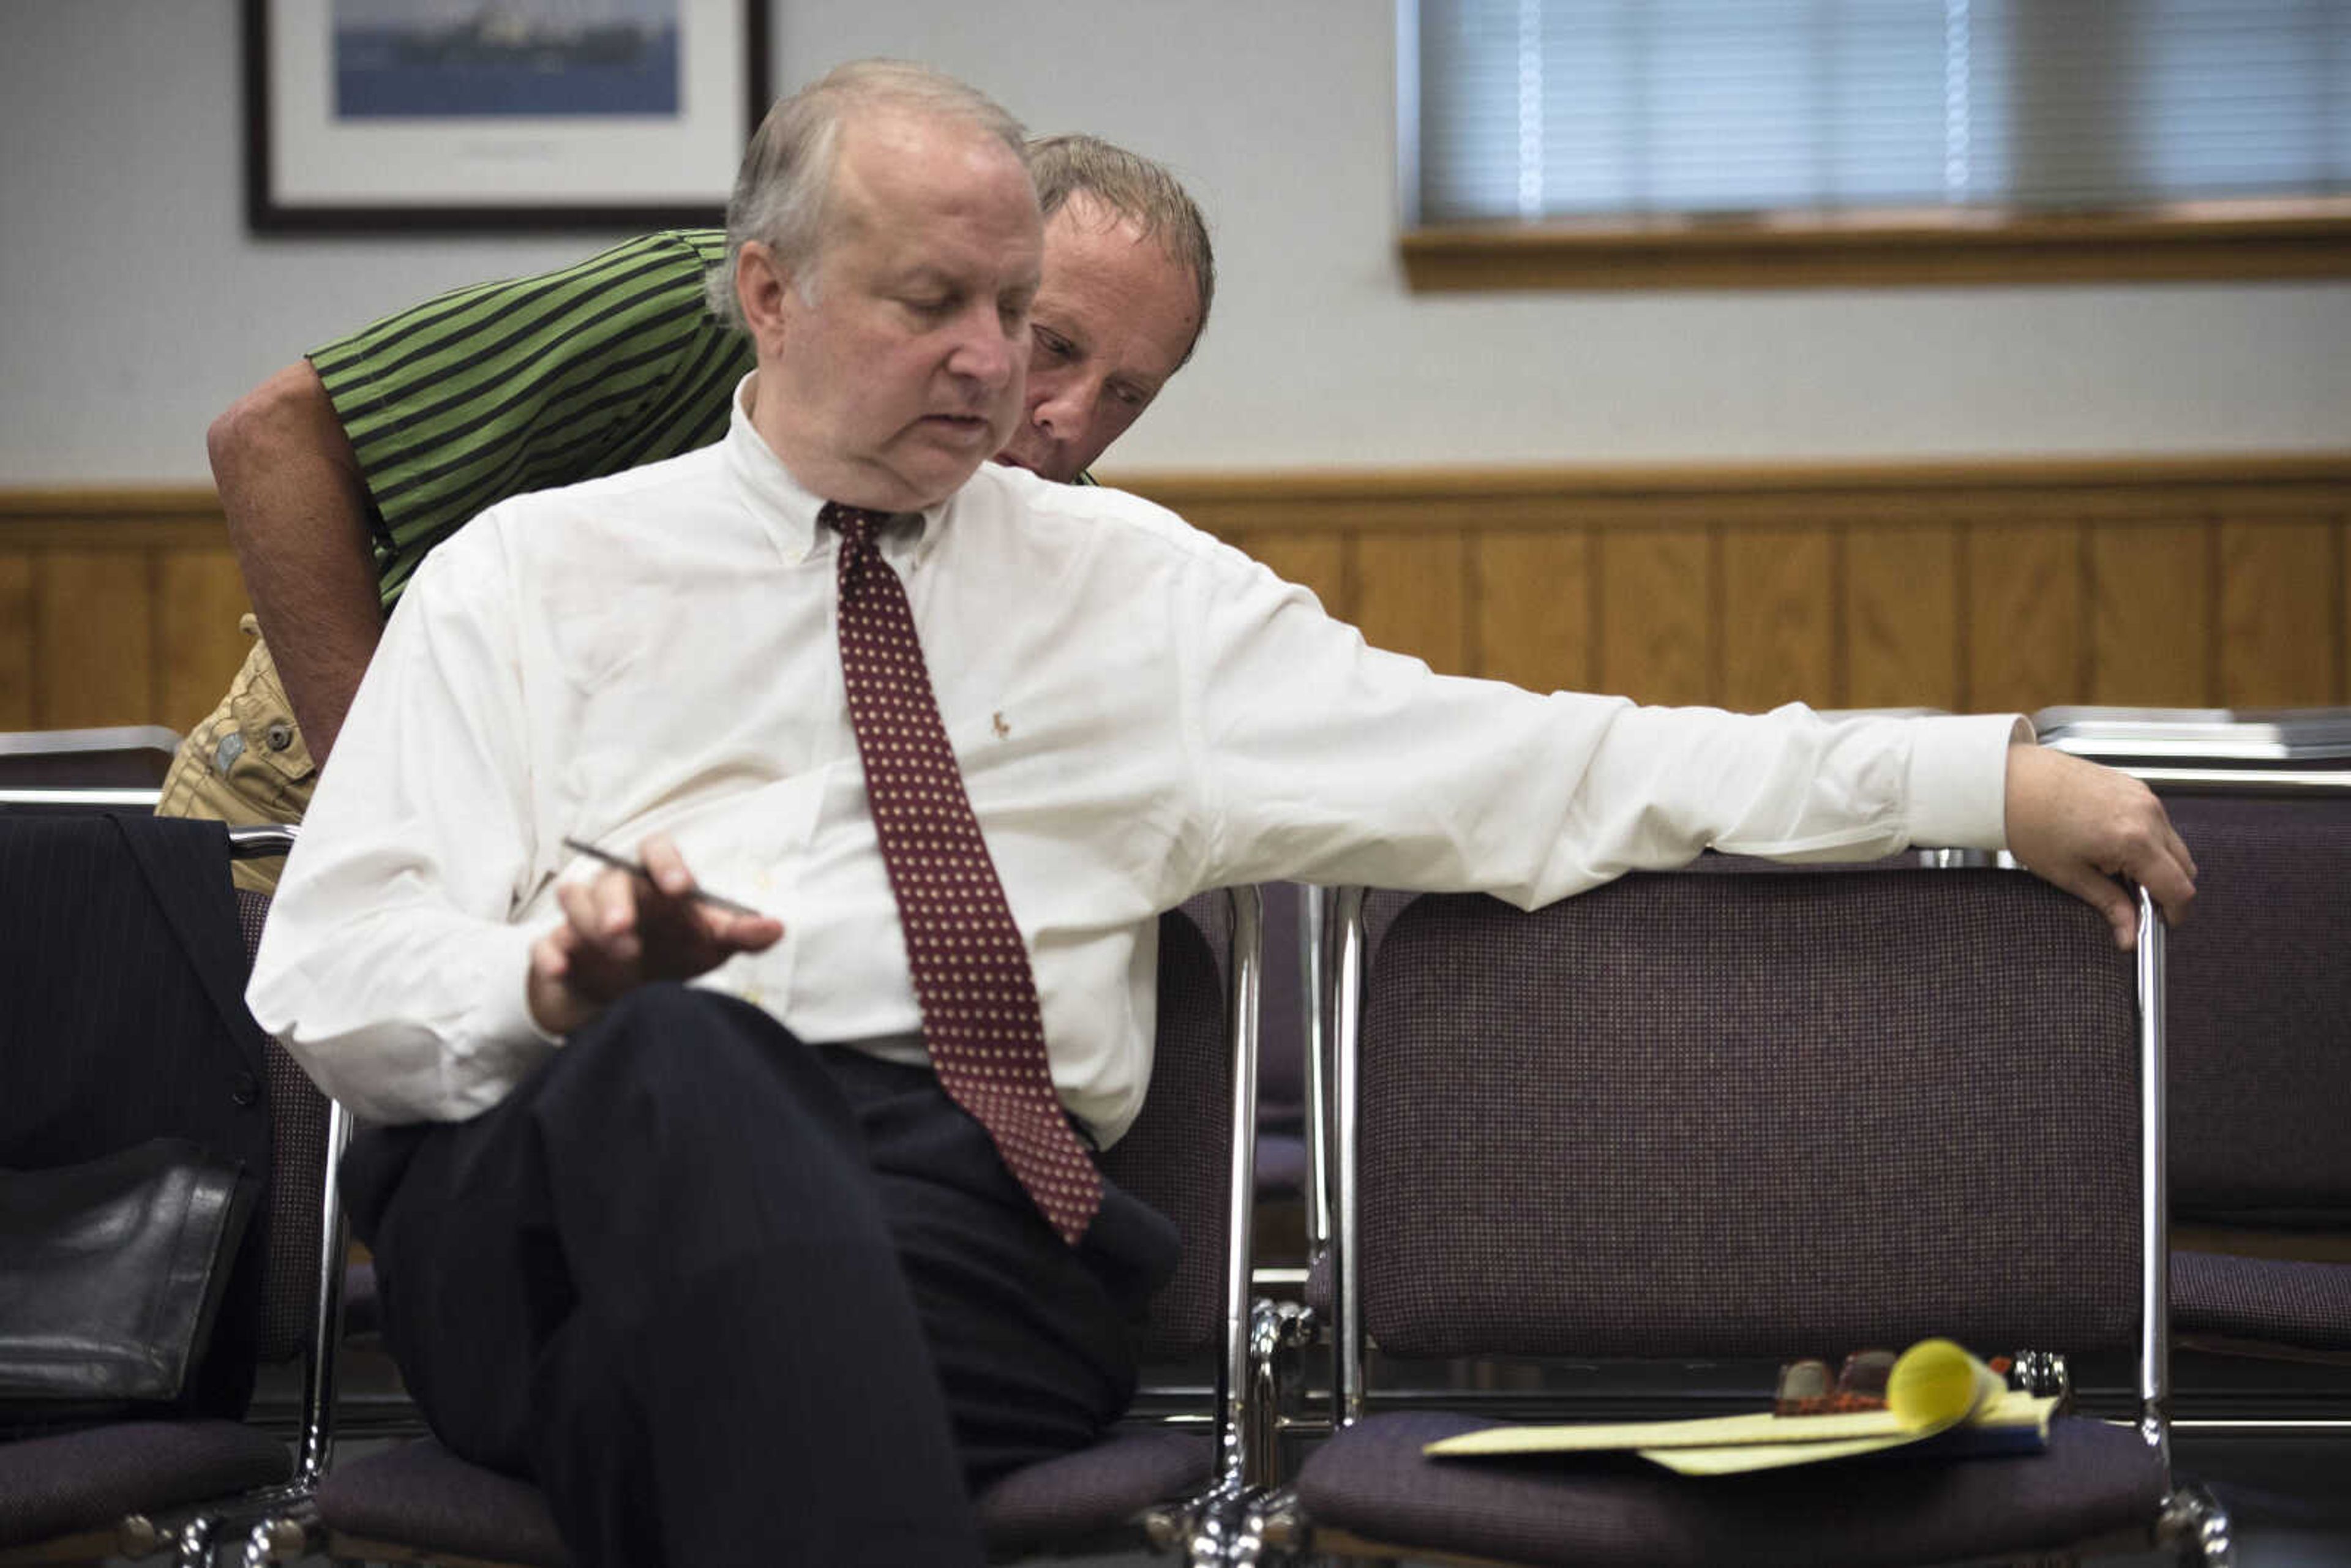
pixel 455 404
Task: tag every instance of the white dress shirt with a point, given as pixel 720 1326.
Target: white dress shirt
pixel 1140 711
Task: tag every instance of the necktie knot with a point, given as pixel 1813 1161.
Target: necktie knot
pixel 857 525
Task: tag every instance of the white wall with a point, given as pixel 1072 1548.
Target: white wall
pixel 133 304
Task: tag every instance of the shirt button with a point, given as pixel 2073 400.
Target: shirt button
pixel 243 1090
pixel 755 995
pixel 279 736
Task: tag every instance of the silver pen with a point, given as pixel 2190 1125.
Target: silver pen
pixel 622 863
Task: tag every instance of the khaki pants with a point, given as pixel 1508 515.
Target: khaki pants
pixel 245 764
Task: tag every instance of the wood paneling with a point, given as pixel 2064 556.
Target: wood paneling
pixel 17 668
pixel 2165 582
pixel 1657 615
pixel 2280 625
pixel 1316 561
pixel 1779 619
pixel 2023 614
pixel 198 646
pixel 1903 643
pixel 94 638
pixel 2151 616
pixel 1410 595
pixel 1534 605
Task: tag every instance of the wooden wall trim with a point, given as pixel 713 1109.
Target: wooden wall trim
pixel 2191 243
pixel 1572 494
pixel 1355 501
pixel 107 501
pixel 161 516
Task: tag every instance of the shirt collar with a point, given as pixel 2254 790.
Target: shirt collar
pixel 785 506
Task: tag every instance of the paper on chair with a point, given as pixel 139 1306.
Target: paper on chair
pixel 1936 1387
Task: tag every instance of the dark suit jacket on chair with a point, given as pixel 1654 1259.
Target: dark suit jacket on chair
pixel 122 1017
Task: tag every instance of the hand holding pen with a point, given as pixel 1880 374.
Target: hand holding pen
pixel 632 925
pixel 693 890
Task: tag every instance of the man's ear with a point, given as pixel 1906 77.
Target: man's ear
pixel 763 288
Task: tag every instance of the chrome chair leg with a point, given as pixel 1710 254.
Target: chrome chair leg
pixel 2194 1522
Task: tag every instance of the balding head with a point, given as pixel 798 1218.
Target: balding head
pixel 785 182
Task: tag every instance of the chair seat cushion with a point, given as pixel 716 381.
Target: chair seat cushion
pixel 421 1494
pixel 82 1480
pixel 1095 1489
pixel 1372 1481
pixel 2281 1300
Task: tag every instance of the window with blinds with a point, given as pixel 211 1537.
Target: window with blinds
pixel 1578 112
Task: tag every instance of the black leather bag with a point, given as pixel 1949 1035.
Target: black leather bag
pixel 111 1272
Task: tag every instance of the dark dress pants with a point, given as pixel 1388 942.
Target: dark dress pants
pixel 730 1298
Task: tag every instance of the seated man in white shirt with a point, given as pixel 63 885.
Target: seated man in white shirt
pixel 797 1253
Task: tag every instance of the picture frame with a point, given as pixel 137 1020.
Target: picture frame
pixel 461 115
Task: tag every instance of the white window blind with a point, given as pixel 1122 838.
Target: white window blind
pixel 1580 109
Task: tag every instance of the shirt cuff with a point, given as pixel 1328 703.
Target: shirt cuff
pixel 1959 781
pixel 505 1015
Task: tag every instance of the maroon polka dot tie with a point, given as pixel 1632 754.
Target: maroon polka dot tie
pixel 971 973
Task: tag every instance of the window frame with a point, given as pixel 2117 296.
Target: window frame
pixel 2262 238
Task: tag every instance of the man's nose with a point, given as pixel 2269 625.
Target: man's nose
pixel 985 352
pixel 1058 404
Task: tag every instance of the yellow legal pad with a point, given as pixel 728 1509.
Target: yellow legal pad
pixel 1935 1388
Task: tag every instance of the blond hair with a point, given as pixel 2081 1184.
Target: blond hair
pixel 1136 188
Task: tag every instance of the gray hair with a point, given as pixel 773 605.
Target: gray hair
pixel 786 176
pixel 1132 187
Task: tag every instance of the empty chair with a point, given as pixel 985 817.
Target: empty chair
pixel 2261 1069
pixel 2261 1032
pixel 1743 1116
pixel 1188 1155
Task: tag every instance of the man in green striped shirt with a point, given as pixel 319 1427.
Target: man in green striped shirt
pixel 340 472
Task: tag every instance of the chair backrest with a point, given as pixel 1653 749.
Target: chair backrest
pixel 1751 1116
pixel 302 1290
pixel 1177 1155
pixel 122 757
pixel 298 1124
pixel 2260 1010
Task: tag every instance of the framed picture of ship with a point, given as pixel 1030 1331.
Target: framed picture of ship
pixel 422 115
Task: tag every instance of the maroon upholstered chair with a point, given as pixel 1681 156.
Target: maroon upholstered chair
pixel 2261 1039
pixel 1187 1155
pixel 2261 1069
pixel 1725 1117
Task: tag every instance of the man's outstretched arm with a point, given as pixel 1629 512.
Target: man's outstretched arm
pixel 297 508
